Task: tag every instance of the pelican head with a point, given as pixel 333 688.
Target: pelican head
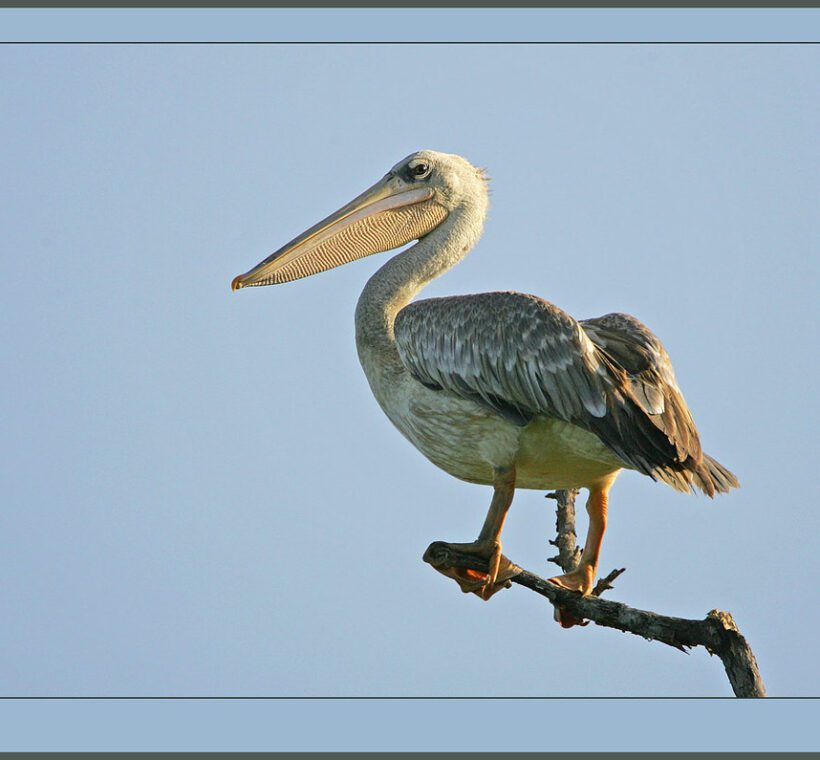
pixel 414 198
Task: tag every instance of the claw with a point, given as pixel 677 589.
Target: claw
pixel 566 619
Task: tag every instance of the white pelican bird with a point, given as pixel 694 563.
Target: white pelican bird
pixel 502 389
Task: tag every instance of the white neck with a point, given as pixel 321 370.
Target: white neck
pixel 393 286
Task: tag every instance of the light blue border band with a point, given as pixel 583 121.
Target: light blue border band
pixel 554 725
pixel 401 24
pixel 473 726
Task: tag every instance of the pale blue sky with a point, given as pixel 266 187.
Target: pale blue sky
pixel 202 497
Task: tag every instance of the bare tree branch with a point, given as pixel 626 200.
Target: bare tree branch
pixel 718 632
pixel 568 552
pixel 604 584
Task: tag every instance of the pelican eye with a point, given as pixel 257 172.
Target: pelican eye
pixel 419 170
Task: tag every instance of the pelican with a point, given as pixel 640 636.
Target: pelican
pixel 501 389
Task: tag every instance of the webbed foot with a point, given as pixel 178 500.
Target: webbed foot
pixel 582 580
pixel 500 570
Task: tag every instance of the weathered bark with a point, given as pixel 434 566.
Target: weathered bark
pixel 569 553
pixel 718 632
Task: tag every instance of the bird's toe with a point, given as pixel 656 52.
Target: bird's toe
pixel 443 557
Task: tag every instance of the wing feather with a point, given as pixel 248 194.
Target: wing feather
pixel 522 356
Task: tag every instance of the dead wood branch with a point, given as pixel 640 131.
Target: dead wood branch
pixel 569 553
pixel 718 632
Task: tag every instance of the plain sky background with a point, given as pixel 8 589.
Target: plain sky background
pixel 201 496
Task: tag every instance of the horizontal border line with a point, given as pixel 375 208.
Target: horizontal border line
pixel 429 5
pixel 120 698
pixel 410 42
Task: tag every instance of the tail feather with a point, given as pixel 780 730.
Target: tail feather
pixel 708 476
pixel 722 479
pixel 712 477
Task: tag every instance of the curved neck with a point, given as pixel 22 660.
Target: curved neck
pixel 393 286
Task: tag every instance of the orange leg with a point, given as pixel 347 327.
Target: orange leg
pixel 487 545
pixel 583 577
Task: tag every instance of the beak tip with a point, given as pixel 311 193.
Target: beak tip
pixel 236 283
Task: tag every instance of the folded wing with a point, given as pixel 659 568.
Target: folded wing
pixel 522 356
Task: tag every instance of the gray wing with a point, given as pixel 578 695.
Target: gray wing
pixel 650 383
pixel 649 377
pixel 522 356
